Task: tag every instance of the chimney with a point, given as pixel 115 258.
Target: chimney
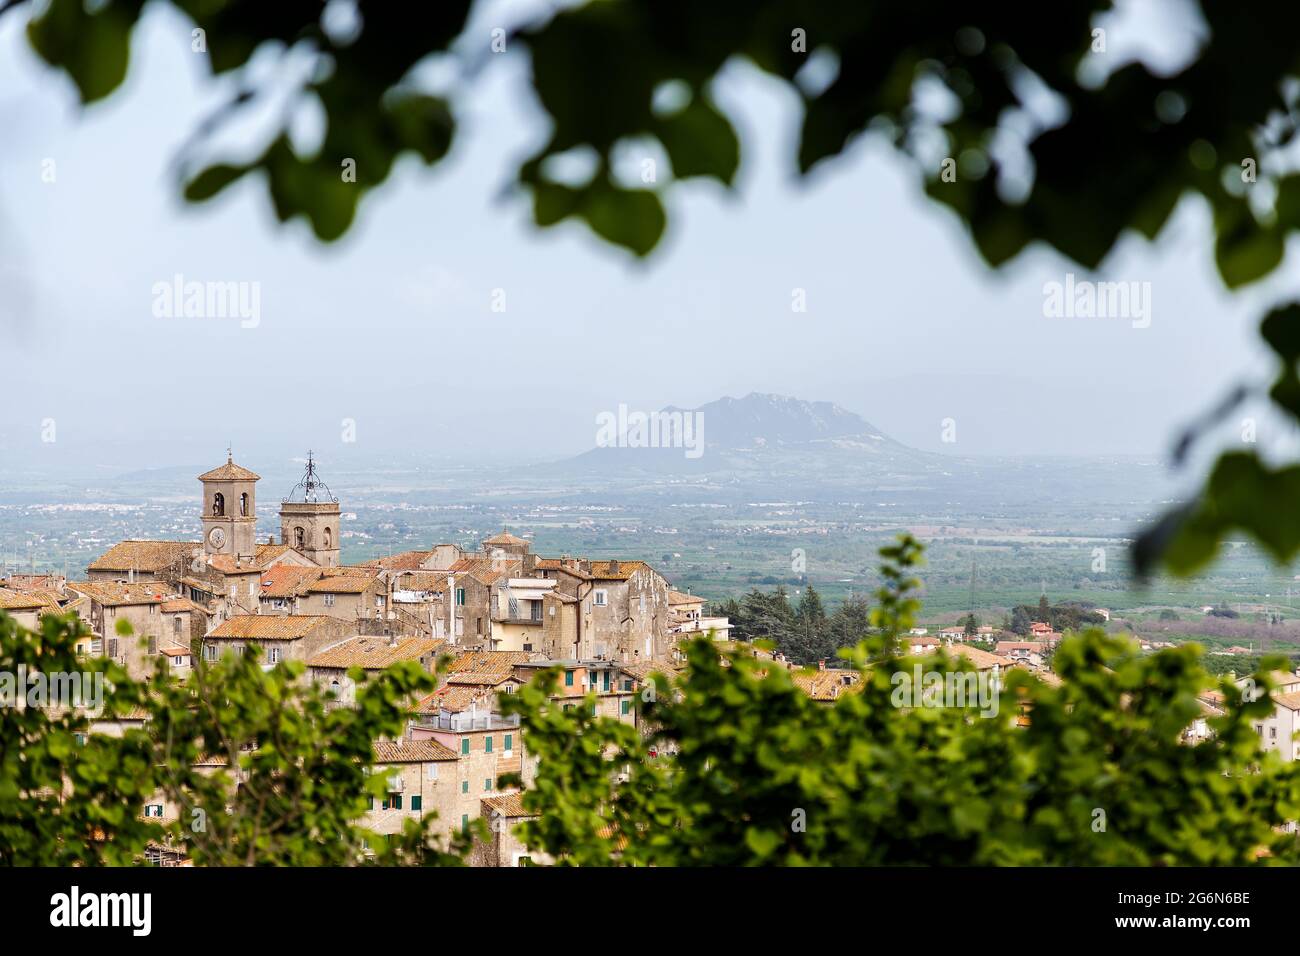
pixel 821 664
pixel 613 566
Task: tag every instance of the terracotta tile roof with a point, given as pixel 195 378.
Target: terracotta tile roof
pixel 110 594
pixel 266 553
pixel 13 601
pixel 342 581
pixel 455 698
pixel 827 684
pixel 1006 647
pixel 982 660
pixel 643 669
pixel 412 751
pixel 406 561
pixel 1283 678
pixel 505 537
pixel 1289 701
pixel 557 564
pixel 229 472
pixel 375 653
pixel 486 667
pixel 287 580
pixel 506 804
pixel 484 570
pixel 269 626
pixel 175 651
pixel 182 604
pixel 604 570
pixel 149 556
pixel 231 564
pixel 679 597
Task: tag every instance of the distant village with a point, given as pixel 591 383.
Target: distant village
pixel 501 613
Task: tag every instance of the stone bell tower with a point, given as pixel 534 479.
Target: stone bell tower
pixel 309 520
pixel 230 510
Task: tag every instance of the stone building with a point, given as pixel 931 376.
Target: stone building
pixel 291 637
pixel 423 779
pixel 157 620
pixel 329 668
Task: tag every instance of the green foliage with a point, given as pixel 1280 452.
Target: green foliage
pixel 64 802
pixel 262 768
pixel 750 771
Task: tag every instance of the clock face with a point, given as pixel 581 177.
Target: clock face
pixel 216 537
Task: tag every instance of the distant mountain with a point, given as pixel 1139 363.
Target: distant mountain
pixel 762 420
pixel 760 441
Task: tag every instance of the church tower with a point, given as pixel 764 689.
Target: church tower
pixel 309 521
pixel 230 510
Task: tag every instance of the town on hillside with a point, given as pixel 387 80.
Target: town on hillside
pixel 501 614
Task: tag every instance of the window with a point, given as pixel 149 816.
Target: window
pixel 626 708
pixel 568 678
pixel 176 627
pixel 464 745
pixel 433 771
pixel 460 597
pixel 627 683
pixel 604 683
pixel 487 784
pixel 417 803
pixel 153 645
pixel 273 655
pixel 509 745
pixel 397 800
pixel 487 744
pixel 299 538
pixel 329 538
pixel 218 505
pixel 243 505
pixel 153 810
pixel 112 647
pixel 329 600
pixel 209 652
pixel 602 598
pixel 464 786
pixel 464 822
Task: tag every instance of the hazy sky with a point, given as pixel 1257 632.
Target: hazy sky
pixel 392 326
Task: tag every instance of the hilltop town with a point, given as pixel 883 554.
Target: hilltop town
pixel 500 614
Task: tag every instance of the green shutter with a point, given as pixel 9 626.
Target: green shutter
pixel 568 678
pixel 487 784
pixel 417 803
pixel 464 786
pixel 464 745
pixel 487 744
pixel 627 706
pixel 397 801
pixel 510 742
pixel 464 822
